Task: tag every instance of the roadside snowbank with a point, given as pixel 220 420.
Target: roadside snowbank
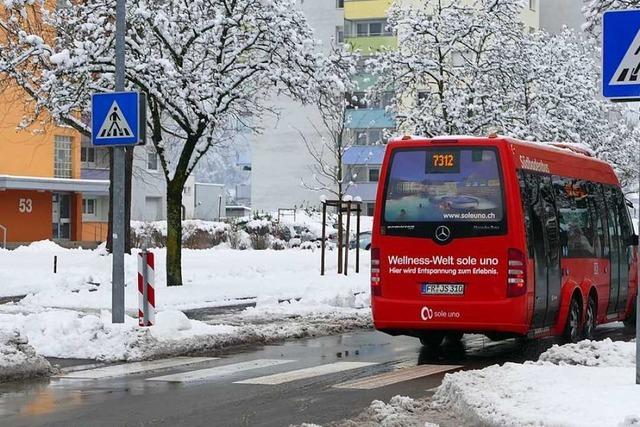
pixel 67 314
pixel 18 359
pixel 586 384
pixel 72 334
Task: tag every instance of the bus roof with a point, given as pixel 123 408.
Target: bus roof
pixel 563 159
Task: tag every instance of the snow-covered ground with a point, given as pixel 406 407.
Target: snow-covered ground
pixel 591 383
pixel 67 314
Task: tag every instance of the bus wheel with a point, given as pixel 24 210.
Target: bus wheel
pixel 630 322
pixel 432 339
pixel 590 319
pixel 571 332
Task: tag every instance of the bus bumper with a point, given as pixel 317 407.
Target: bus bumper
pixel 408 317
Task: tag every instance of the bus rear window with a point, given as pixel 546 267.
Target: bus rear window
pixel 442 185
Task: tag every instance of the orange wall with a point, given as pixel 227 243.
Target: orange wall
pixel 30 152
pixel 26 226
pixel 94 231
pixel 76 216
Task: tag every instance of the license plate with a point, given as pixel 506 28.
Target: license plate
pixel 443 289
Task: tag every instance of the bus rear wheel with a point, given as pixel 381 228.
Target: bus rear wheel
pixel 432 339
pixel 571 332
pixel 590 319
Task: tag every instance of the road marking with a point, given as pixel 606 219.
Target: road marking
pixel 135 368
pixel 82 367
pixel 401 375
pixel 300 374
pixel 219 371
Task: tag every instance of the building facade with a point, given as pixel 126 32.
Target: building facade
pixel 280 162
pixel 41 185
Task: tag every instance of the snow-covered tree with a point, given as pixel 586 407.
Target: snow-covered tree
pixel 204 65
pixel 469 68
pixel 593 10
pixel 447 68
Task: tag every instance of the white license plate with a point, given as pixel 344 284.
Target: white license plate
pixel 443 289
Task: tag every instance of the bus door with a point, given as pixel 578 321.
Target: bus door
pixel 614 251
pixel 619 226
pixel 543 239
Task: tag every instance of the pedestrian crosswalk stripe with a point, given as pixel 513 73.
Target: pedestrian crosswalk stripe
pixel 305 373
pixel 401 375
pixel 219 371
pixel 135 368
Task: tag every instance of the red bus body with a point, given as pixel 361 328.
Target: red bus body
pixel 503 292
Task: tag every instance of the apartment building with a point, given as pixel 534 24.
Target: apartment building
pixel 41 185
pixel 280 162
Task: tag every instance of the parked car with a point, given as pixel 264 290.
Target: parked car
pixel 365 241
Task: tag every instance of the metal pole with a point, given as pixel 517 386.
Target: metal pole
pixel 340 236
pixel 348 238
pixel 358 239
pixel 324 236
pixel 117 278
pixel 145 288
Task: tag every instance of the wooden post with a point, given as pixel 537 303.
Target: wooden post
pixel 324 236
pixel 346 250
pixel 358 238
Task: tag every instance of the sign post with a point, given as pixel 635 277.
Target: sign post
pixel 117 121
pixel 621 83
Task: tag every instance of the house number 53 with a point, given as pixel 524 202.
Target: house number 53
pixel 25 206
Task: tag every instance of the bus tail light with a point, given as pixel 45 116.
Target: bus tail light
pixel 517 274
pixel 376 289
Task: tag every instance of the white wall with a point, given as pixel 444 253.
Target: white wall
pixel 146 184
pixel 280 160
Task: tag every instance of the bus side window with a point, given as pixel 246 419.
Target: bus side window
pixel 597 198
pixel 527 196
pixel 577 227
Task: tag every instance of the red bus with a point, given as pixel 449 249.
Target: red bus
pixel 500 237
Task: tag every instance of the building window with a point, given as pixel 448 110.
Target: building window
pixel 371 207
pixel 88 155
pixel 89 206
pixel 152 161
pixel 374 175
pixel 339 4
pixel 340 34
pixel 62 160
pixel 370 28
pixel 532 4
pixel 367 136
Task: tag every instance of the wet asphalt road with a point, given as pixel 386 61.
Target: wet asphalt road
pixel 133 401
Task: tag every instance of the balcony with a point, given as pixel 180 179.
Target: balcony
pixel 367 118
pixel 366 9
pixel 370 44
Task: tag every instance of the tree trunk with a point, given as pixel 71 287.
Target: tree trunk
pixel 174 233
pixel 127 195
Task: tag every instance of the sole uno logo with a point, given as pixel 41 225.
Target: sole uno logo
pixel 426 313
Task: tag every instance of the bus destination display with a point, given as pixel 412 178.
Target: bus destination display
pixel 443 162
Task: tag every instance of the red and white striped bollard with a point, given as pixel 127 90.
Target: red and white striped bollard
pixel 146 292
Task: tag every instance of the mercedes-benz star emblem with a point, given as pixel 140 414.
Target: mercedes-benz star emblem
pixel 443 233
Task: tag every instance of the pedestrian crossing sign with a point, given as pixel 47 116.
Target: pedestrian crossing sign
pixel 117 119
pixel 621 55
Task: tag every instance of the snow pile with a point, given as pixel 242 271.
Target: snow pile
pixel 18 359
pixel 565 388
pixel 592 353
